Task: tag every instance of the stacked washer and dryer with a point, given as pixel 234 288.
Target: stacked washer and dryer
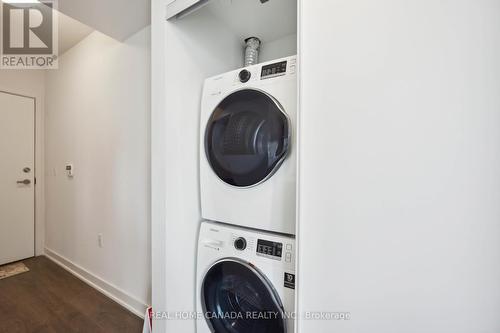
pixel 246 250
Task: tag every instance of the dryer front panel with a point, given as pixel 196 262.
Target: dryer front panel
pixel 247 137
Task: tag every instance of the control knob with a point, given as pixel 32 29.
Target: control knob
pixel 240 243
pixel 244 76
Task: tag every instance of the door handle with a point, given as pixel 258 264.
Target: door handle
pixel 24 182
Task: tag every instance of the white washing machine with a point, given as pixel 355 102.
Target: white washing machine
pixel 247 146
pixel 245 281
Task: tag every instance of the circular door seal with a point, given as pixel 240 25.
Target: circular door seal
pixel 237 298
pixel 247 138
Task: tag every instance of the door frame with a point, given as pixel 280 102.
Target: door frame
pixel 36 190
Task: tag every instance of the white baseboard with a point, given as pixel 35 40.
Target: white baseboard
pixel 116 294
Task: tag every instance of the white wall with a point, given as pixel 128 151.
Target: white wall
pixel 279 48
pixel 158 160
pixel 31 83
pixel 188 56
pixel 102 15
pixel 98 116
pixel 399 166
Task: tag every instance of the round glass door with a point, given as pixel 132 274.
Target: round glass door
pixel 247 138
pixel 236 298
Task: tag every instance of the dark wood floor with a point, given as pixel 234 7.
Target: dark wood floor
pixel 49 299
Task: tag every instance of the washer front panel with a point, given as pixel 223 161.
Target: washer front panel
pixel 236 298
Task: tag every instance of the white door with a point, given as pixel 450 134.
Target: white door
pixel 17 189
pixel 399 181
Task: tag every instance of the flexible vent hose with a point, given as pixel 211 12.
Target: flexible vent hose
pixel 252 51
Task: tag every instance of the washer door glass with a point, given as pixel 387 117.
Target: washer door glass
pixel 236 298
pixel 247 138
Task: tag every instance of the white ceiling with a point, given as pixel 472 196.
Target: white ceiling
pixel 116 18
pixel 268 21
pixel 71 32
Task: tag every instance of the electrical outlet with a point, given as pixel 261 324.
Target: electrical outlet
pixel 100 240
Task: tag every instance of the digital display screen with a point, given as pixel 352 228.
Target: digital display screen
pixel 272 70
pixel 269 248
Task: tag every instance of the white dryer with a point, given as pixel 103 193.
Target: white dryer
pixel 245 281
pixel 247 146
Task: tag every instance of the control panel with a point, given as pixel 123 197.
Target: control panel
pixel 248 244
pixel 269 249
pixel 273 70
pixel 70 170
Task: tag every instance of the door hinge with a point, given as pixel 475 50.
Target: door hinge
pixel 34 181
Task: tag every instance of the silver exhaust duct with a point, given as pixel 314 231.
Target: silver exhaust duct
pixel 252 51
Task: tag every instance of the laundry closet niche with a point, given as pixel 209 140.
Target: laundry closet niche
pixel 200 42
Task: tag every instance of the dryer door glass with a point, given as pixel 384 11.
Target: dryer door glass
pixel 236 298
pixel 247 138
